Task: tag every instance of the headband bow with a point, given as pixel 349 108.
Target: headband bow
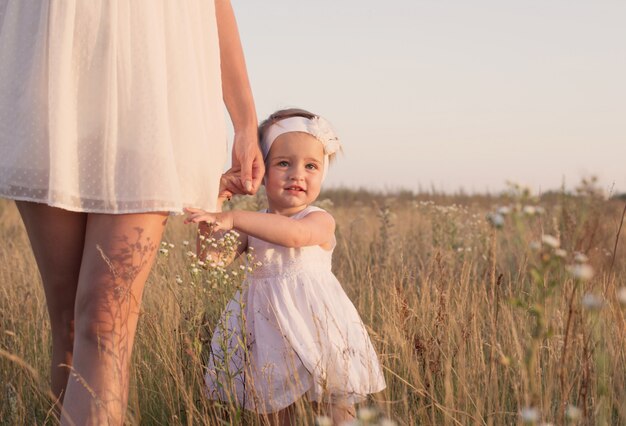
pixel 317 127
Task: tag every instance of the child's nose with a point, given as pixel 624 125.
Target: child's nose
pixel 297 176
pixel 297 173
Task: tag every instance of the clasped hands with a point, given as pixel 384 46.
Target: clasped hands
pixel 244 177
pixel 230 184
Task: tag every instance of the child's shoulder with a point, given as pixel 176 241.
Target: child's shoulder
pixel 308 210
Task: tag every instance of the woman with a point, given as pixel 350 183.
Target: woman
pixel 111 119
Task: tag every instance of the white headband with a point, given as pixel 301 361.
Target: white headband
pixel 316 127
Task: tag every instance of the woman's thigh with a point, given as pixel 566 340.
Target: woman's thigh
pixel 57 238
pixel 118 254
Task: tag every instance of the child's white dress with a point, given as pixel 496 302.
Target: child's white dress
pixel 302 335
pixel 111 106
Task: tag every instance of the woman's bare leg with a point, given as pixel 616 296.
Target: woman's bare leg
pixel 57 239
pixel 118 254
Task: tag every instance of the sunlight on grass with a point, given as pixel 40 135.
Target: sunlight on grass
pixel 495 310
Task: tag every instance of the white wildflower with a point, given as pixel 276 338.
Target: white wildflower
pixel 529 415
pixel 496 220
pixel 163 244
pixel 323 421
pixel 164 251
pixel 179 280
pixel 185 243
pixel 592 302
pixel 581 271
pixel 529 210
pixel 550 241
pixel 194 270
pixel 366 414
pixel 560 253
pixel 573 413
pixel 580 258
pixel 504 210
pixel 242 267
pixel 190 254
pixel 171 245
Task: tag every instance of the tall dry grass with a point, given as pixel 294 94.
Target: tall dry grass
pixel 475 322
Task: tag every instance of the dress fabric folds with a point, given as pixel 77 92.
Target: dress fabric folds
pixel 291 331
pixel 111 106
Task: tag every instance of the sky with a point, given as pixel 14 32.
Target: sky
pixel 450 94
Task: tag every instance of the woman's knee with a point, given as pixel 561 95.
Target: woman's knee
pixel 62 328
pixel 60 293
pixel 105 310
pixel 95 323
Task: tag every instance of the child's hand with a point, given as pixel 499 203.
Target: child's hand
pixel 229 185
pixel 228 182
pixel 216 221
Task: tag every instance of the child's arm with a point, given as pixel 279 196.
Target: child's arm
pixel 316 228
pixel 204 246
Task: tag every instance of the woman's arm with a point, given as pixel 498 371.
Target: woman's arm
pixel 316 228
pixel 247 158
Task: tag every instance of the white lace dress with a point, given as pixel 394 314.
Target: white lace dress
pixel 291 331
pixel 111 106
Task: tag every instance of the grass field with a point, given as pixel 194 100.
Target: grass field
pixel 478 315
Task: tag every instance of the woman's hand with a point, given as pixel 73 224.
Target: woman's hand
pixel 247 164
pixel 222 221
pixel 230 184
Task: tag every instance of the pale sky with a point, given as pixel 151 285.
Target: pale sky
pixel 450 94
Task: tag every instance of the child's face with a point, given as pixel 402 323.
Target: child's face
pixel 294 172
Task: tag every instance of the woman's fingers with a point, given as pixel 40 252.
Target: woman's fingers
pixel 252 170
pixel 248 161
pixel 258 170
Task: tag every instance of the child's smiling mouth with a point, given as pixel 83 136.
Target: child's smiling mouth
pixel 295 188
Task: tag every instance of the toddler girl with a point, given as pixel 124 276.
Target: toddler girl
pixel 292 331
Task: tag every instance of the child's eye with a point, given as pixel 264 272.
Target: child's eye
pixel 311 166
pixel 282 163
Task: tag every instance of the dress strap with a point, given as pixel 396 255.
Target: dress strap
pixel 306 211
